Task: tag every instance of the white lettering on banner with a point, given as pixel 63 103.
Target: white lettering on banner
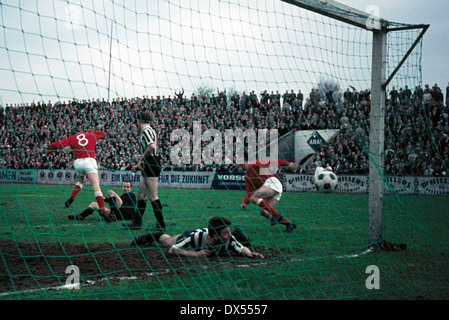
pixel 188 180
pixel 359 184
pixel 231 177
pixel 117 177
pixel 438 186
pixel 299 183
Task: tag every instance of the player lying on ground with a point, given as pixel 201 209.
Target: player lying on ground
pixel 264 189
pixel 216 239
pixel 123 206
pixel 82 145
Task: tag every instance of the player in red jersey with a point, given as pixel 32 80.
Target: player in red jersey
pixel 83 147
pixel 264 189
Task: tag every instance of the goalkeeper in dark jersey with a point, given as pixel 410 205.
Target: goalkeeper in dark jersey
pixel 121 207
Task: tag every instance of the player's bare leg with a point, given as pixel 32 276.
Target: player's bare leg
pixel 261 198
pixel 95 182
pixel 95 206
pixel 165 240
pixel 151 186
pixel 264 212
pixel 148 189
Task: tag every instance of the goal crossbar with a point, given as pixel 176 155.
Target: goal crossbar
pixel 358 18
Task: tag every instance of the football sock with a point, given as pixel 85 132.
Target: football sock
pixel 100 200
pixel 153 236
pixel 157 208
pixel 76 189
pixel 141 206
pixel 87 212
pixel 284 221
pixel 263 204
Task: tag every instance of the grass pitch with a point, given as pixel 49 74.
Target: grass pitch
pixel 324 258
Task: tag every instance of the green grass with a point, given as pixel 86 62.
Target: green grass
pixel 314 262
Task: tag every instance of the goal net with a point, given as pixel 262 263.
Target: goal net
pixel 295 75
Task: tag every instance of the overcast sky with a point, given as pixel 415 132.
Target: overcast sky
pixel 435 59
pixel 55 49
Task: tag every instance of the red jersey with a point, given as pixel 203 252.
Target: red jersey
pixel 257 173
pixel 82 144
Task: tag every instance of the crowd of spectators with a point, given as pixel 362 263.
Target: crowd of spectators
pixel 416 127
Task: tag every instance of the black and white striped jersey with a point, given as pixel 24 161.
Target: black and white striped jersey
pixel 147 137
pixel 196 240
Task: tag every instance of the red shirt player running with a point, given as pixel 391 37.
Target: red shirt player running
pixel 83 148
pixel 264 189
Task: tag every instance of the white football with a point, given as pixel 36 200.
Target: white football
pixel 326 181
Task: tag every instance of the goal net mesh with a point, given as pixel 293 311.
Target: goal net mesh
pixel 221 65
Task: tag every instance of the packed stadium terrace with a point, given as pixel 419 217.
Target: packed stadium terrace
pixel 416 127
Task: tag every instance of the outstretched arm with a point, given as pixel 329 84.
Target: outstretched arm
pixel 118 201
pixel 293 166
pixel 55 146
pixel 247 252
pixel 245 200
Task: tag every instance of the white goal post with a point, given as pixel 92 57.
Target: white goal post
pixel 379 81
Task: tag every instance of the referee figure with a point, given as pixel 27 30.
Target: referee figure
pixel 150 166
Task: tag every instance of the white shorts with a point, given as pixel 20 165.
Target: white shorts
pixel 276 185
pixel 84 166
